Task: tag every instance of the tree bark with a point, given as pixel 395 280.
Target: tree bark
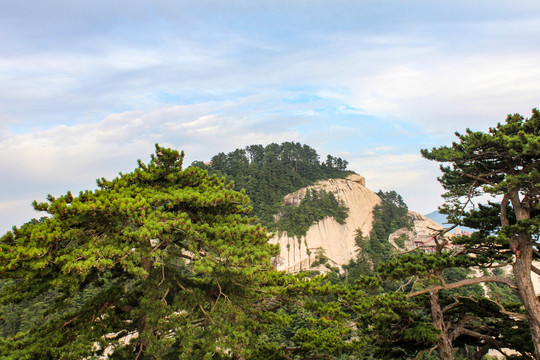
pixel 522 246
pixel 522 276
pixel 444 343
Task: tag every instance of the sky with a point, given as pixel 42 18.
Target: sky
pixel 87 88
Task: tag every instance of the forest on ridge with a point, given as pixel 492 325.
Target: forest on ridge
pixel 173 262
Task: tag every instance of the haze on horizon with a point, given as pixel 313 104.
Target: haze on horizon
pixel 88 88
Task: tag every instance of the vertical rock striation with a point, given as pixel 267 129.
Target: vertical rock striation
pixel 334 240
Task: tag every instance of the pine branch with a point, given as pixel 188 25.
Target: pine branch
pixel 480 178
pixel 494 344
pixel 457 302
pixel 407 283
pixel 516 316
pixel 466 282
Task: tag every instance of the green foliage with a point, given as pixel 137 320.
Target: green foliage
pixel 320 258
pixel 336 320
pixel 171 255
pixel 268 173
pixel 514 145
pixel 311 323
pixel 389 216
pixel 504 163
pixel 400 240
pixel 362 264
pixel 465 308
pixel 393 327
pixel 501 293
pixel 455 274
pixel 160 251
pixel 315 206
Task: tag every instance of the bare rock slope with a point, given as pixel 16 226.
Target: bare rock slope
pixel 419 235
pixel 334 240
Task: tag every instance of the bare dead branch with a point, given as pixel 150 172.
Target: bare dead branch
pixel 535 270
pixel 162 274
pixel 457 302
pixel 406 252
pixel 164 296
pixel 407 283
pixel 488 339
pixel 516 316
pixel 70 321
pixel 184 256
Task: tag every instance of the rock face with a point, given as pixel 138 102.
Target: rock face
pixel 334 240
pixel 420 234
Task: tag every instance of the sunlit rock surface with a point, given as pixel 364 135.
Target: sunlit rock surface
pixel 334 240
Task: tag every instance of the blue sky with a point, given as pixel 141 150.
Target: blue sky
pixel 87 88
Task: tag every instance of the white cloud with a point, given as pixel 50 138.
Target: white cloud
pixel 410 175
pixel 16 213
pixel 78 152
pixel 206 79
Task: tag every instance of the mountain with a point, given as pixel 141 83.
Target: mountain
pixel 437 217
pixel 317 209
pixel 328 237
pixel 441 219
pixel 337 242
pixel 267 173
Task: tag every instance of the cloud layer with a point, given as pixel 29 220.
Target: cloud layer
pixel 86 89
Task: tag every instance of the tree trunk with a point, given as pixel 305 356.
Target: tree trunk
pixel 522 276
pixel 522 246
pixel 141 326
pixel 444 344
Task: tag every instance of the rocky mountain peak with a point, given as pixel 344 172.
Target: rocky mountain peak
pixel 337 241
pixel 328 237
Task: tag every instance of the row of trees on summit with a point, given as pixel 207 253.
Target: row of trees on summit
pixel 268 173
pixel 169 262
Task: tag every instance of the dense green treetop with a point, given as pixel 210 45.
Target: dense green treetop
pixel 316 205
pixel 160 251
pixel 505 163
pixel 171 257
pixel 268 173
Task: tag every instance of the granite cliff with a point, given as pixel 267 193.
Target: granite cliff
pixel 334 240
pixel 337 241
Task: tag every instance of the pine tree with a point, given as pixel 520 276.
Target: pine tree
pixel 505 163
pixel 459 311
pixel 164 254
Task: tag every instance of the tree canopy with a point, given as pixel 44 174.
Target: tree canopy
pixel 268 173
pixel 165 262
pixel 503 163
pixel 162 254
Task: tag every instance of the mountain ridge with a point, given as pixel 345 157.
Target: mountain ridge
pixel 337 242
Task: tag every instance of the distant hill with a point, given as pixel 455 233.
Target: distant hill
pixel 322 215
pixel 441 219
pixel 437 217
pixel 268 173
